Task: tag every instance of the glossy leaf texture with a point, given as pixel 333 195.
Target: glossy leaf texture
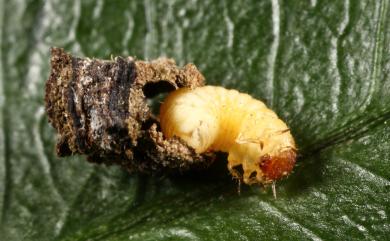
pixel 323 66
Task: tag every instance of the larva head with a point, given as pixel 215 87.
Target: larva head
pixel 277 166
pixel 267 150
pixel 278 158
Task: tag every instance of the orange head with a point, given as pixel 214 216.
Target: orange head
pixel 277 167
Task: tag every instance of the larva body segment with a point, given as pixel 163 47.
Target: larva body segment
pixel 213 118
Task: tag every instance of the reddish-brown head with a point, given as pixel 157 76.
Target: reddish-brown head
pixel 278 166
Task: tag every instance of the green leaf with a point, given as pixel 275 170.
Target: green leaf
pixel 323 66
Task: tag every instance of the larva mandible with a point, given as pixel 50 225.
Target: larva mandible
pixel 211 118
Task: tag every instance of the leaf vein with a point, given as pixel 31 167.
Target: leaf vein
pixel 377 52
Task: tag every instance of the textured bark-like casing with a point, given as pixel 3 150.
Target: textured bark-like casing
pixel 99 109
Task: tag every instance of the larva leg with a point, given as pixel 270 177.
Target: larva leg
pixel 232 163
pixel 252 172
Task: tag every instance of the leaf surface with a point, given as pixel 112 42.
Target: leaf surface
pixel 324 67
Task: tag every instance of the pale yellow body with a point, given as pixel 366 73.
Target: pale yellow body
pixel 213 118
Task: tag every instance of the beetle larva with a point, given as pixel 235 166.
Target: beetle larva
pixel 213 118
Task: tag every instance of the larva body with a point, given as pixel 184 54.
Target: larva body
pixel 213 118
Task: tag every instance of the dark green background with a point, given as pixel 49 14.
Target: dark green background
pixel 323 66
